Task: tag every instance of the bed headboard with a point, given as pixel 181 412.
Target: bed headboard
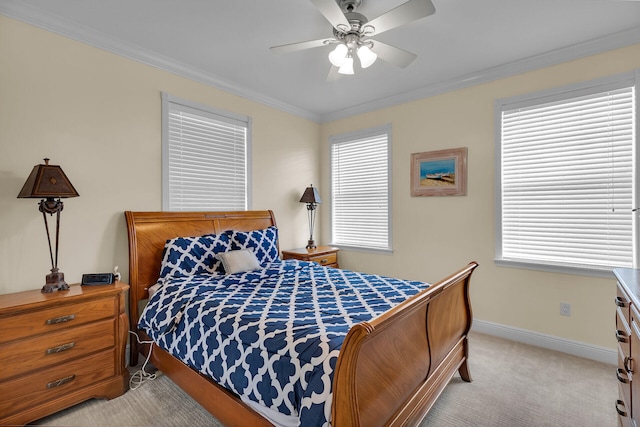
pixel 148 232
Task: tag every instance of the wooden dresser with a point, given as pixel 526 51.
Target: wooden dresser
pixel 323 255
pixel 61 348
pixel 628 337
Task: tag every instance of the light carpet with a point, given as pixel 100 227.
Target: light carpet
pixel 514 385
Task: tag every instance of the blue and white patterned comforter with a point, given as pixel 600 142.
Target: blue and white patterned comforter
pixel 273 335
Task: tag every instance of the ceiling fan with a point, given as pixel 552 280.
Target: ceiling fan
pixel 353 32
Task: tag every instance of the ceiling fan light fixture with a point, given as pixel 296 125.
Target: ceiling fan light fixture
pixel 347 67
pixel 367 56
pixel 338 56
pixel 352 32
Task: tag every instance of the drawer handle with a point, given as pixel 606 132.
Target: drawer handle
pixel 621 336
pixel 58 383
pixel 623 379
pixel 323 261
pixel 618 410
pixel 60 319
pixel 628 364
pixel 620 302
pixel 60 348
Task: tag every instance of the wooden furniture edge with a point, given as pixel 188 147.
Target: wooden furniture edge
pixel 34 299
pixel 320 250
pixel 367 379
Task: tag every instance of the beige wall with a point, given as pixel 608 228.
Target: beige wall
pixel 435 235
pixel 98 116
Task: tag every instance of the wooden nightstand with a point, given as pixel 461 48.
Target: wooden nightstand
pixel 326 256
pixel 61 348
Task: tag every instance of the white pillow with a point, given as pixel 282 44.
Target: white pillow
pixel 238 261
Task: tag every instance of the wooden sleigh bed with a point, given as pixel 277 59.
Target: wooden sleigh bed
pixel 390 370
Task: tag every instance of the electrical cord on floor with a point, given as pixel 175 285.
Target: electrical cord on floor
pixel 141 376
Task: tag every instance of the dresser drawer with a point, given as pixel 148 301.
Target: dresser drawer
pixel 623 334
pixel 20 357
pixel 623 410
pixel 23 392
pixel 52 319
pixel 624 379
pixel 325 259
pixel 623 303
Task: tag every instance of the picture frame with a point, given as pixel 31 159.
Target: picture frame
pixel 439 173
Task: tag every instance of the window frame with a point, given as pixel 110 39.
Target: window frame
pixel 558 94
pixel 218 114
pixel 353 137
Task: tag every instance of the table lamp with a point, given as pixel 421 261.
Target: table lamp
pixel 51 184
pixel 312 198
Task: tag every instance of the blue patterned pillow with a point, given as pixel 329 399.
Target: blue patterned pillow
pixel 263 243
pixel 188 256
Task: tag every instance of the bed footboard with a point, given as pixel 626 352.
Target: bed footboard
pixel 392 369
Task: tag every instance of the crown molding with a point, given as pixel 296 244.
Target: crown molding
pixel 580 50
pixel 56 24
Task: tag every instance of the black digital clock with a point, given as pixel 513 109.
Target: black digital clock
pixel 97 279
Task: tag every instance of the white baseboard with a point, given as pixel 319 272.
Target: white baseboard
pixel 580 349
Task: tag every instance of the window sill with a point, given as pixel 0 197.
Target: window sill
pixel 361 249
pixel 603 272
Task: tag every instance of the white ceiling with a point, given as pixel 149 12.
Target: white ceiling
pixel 226 43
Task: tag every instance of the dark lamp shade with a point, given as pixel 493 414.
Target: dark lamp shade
pixel 310 195
pixel 47 181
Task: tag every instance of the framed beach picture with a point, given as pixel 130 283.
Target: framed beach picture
pixel 439 173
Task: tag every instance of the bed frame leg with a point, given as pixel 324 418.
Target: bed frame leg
pixel 464 372
pixel 133 352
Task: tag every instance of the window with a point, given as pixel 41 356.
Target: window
pixel 205 158
pixel 566 189
pixel 360 190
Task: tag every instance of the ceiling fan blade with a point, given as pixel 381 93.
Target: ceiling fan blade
pixel 332 12
pixel 403 14
pixel 294 47
pixel 393 55
pixel 333 74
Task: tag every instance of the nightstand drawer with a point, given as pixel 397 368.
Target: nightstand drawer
pixel 55 348
pixel 22 393
pixel 326 256
pixel 52 319
pixel 325 259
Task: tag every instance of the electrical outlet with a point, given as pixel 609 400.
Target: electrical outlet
pixel 565 309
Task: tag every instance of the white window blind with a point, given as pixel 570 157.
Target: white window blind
pixel 567 189
pixel 360 190
pixel 204 159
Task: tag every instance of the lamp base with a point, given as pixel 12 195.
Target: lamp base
pixel 311 244
pixel 55 282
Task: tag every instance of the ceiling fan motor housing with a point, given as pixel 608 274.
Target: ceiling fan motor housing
pixel 357 22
